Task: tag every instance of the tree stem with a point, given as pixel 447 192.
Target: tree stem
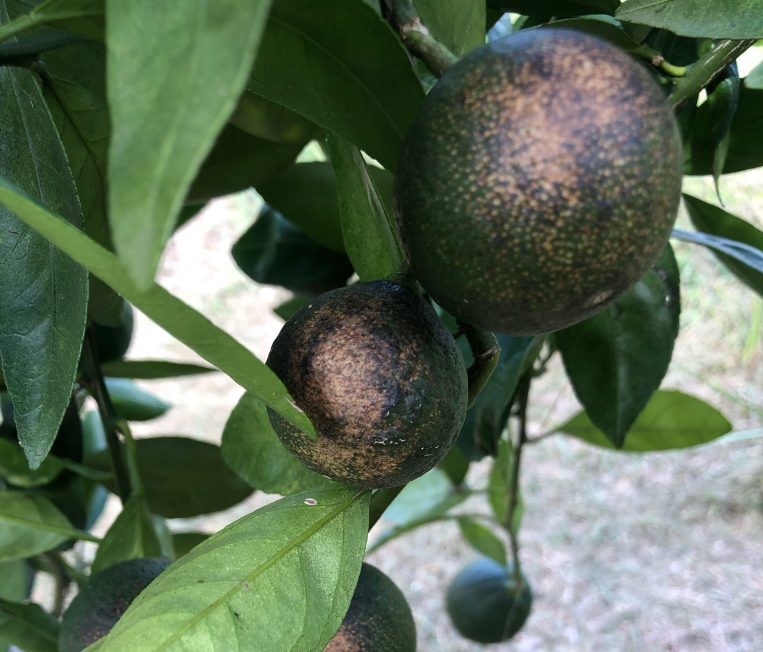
pixel 516 461
pixel 418 39
pixel 701 73
pixel 109 416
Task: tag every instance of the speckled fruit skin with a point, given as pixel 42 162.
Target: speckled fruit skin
pixel 379 618
pixel 484 604
pixel 104 599
pixel 539 181
pixel 381 379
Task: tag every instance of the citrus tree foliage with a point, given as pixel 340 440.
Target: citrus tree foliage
pixel 121 120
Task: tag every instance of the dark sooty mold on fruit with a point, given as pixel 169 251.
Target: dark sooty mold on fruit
pixel 540 180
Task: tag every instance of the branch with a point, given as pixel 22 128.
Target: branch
pixel 418 39
pixel 486 352
pixel 701 73
pixel 516 461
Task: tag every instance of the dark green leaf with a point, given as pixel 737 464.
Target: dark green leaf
pixel 459 25
pixel 17 580
pixel 486 419
pixel 270 121
pixel 617 359
pixel 177 318
pixel 134 403
pixel 499 481
pixel 133 534
pixel 182 477
pixel 369 230
pixel 360 86
pixel 722 102
pixel 717 222
pixel 152 369
pixel 731 19
pixel 275 252
pixel 314 209
pixel 424 495
pixel 175 72
pixel 744 151
pixel 239 161
pixel 555 7
pixel 670 420
pixel 74 85
pixel 184 542
pixel 15 469
pixel 83 17
pixel 280 578
pixel 482 539
pixel 28 626
pixel 29 524
pixel 455 465
pixel 286 309
pixel 43 293
pixel 252 449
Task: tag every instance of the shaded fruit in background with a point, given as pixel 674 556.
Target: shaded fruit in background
pixel 379 618
pixel 485 604
pixel 112 342
pixel 104 599
pixel 381 379
pixel 539 181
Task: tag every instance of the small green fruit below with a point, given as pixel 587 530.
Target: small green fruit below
pixel 485 603
pixel 381 379
pixel 539 181
pixel 104 599
pixel 379 618
pixel 112 342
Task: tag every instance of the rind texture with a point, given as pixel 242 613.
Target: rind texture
pixel 379 618
pixel 539 181
pixel 381 379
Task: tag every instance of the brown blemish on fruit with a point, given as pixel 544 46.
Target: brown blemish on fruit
pixel 542 175
pixel 381 379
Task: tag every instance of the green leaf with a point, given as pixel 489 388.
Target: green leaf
pixel 755 79
pixel 275 252
pixel 184 542
pixel 133 534
pixel 17 580
pixel 182 477
pixel 670 420
pixel 360 86
pixel 369 230
pixel 424 495
pixel 499 481
pixel 482 539
pixel 74 86
pixel 15 469
pixel 43 293
pixel 177 318
pixel 455 465
pixel 152 369
pixel 314 209
pixel 286 309
pixel 280 578
pixel 28 626
pixel 743 152
pixel 617 359
pixel 83 17
pixel 716 221
pixel 722 103
pixel 731 19
pixel 30 524
pixel 486 418
pixel 252 449
pixel 175 72
pixel 267 120
pixel 237 162
pixel 134 403
pixel 555 7
pixel 458 25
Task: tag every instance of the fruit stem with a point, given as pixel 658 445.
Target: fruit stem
pixel 111 421
pixel 486 352
pixel 418 39
pixel 703 71
pixel 523 395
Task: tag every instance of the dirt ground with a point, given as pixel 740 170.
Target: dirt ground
pixel 624 552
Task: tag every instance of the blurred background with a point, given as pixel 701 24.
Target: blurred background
pixel 625 552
